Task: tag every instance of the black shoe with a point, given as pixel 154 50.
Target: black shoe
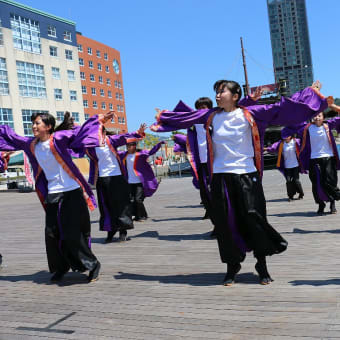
pixel 261 269
pixel 321 209
pixel 229 278
pixel 0 259
pixel 58 276
pixel 94 273
pixel 300 197
pixel 332 208
pixel 122 237
pixel 109 237
pixel 290 199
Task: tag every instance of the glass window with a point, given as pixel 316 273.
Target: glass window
pixel 26 119
pixel 119 85
pixel 111 106
pixel 89 50
pixel 31 79
pixel 51 31
pixel 75 115
pixel 94 104
pixel 109 94
pixel 53 51
pixel 68 54
pixel 93 91
pixel 73 95
pixel 81 62
pixel 67 36
pixel 83 89
pixel 116 83
pixel 1 35
pixel 80 48
pixel 107 69
pixel 85 103
pixel 103 105
pixel 60 116
pixel 4 86
pixel 92 78
pixel 82 75
pixel 113 119
pixel 108 81
pixel 120 96
pixel 70 75
pixel 26 34
pixel 55 72
pixel 6 117
pixel 102 92
pixel 90 64
pixel 99 67
pixel 100 79
pixel 117 95
pixel 58 94
pixel 86 116
pixel 98 53
pixel 105 56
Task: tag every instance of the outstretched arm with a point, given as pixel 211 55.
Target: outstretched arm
pixel 10 141
pixel 155 148
pixel 120 140
pixel 273 148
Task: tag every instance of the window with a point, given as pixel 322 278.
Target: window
pixel 102 92
pixel 119 85
pixel 1 35
pixel 99 67
pixel 60 116
pixel 93 91
pixel 117 95
pixel 120 96
pixel 113 119
pixel 111 107
pixel 75 115
pixel 67 36
pixel 121 108
pixel 86 116
pixel 58 94
pixel 116 83
pixel 51 31
pixel 98 54
pixel 70 75
pixel 105 56
pixel 81 62
pixel 123 120
pixel 73 95
pixel 90 64
pixel 68 54
pixel 80 48
pixel 83 89
pixel 100 79
pixel 107 69
pixel 103 105
pixel 85 103
pixel 82 75
pixel 6 117
pixel 109 94
pixel 55 72
pixel 26 119
pixel 26 34
pixel 89 50
pixel 4 87
pixel 94 104
pixel 108 81
pixel 31 79
pixel 53 51
pixel 92 77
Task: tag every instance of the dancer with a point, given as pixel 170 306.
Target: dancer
pixel 108 174
pixel 235 146
pixel 141 179
pixel 61 188
pixel 288 163
pixel 320 156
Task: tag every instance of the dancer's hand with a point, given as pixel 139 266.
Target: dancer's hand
pixel 108 116
pixel 317 85
pixel 257 94
pixel 142 128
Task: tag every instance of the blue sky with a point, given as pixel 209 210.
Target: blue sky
pixel 177 49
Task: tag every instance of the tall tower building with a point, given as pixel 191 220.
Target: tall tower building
pixel 290 43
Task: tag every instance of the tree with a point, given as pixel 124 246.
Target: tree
pixel 150 140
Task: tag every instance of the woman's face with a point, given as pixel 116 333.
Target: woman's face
pixel 131 147
pixel 288 139
pixel 318 119
pixel 224 98
pixel 40 129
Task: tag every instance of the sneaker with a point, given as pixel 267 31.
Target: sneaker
pixel 229 278
pixel 264 276
pixel 94 273
pixel 321 209
pixel 332 208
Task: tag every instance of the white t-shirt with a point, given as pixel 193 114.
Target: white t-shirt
pixel 58 179
pixel 107 162
pixel 232 143
pixel 202 142
pixel 132 177
pixel 320 146
pixel 289 154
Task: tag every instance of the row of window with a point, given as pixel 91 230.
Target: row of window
pixel 58 94
pixel 89 52
pixel 4 86
pixel 120 108
pixel 54 53
pixel 93 78
pixel 71 76
pixel 99 65
pixel 52 32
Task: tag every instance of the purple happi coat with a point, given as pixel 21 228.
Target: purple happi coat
pixel 88 135
pixel 143 169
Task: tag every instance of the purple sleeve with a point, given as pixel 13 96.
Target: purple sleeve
pixel 10 141
pixel 246 101
pixel 274 148
pixel 120 140
pixel 300 107
pixel 180 148
pixel 180 139
pixel 154 149
pixel 334 123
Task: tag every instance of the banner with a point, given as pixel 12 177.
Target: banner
pixel 27 168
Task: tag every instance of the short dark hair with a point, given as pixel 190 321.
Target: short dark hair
pixel 231 85
pixel 47 118
pixel 203 101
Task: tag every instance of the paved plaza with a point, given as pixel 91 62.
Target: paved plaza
pixel 165 283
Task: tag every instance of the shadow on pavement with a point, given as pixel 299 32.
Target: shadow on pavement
pixel 154 234
pixel 315 282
